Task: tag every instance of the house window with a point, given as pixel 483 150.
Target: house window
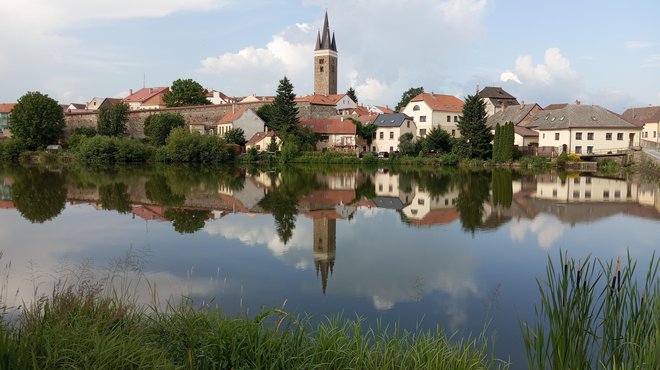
pixel 587 180
pixel 455 118
pixel 576 181
pixel 554 193
pixel 408 124
pixel 590 150
pixel 258 147
pixel 416 108
pixel 448 118
pixel 447 201
pixel 608 136
pixel 576 194
pixel 422 132
pixel 556 135
pixel 654 132
pixel 389 188
pixel 619 136
pixel 422 118
pixel 420 202
pixel 373 148
pixel 578 149
pixel 391 149
pixel 324 138
pixel 578 136
pixel 544 135
pixel 382 135
pixel 617 194
pixel 453 133
pixel 606 194
pixel 590 135
pixel 391 134
pixel 380 187
pixel 587 194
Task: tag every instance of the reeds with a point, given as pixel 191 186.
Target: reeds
pixel 595 315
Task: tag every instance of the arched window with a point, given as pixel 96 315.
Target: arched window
pixel 416 107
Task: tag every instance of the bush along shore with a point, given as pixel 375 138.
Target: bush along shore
pixel 78 328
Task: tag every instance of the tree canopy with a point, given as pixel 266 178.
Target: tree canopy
pixel 37 120
pixel 266 112
pixel 185 93
pixel 236 136
pixel 408 145
pixel 285 112
pixel 366 132
pixel 112 121
pixel 352 94
pixel 407 97
pixel 437 140
pixel 157 127
pixel 473 128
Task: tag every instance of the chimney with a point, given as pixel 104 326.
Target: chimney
pixel 130 92
pixel 577 102
pixel 151 90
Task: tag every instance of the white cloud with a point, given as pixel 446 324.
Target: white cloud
pixel 638 44
pixel 509 76
pixel 554 68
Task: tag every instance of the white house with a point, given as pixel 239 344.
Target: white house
pixel 243 118
pixel 390 127
pixel 344 104
pixel 650 118
pixel 584 129
pixel 435 110
pixel 336 133
pixel 496 99
pixel 217 97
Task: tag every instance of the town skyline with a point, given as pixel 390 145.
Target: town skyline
pixel 246 47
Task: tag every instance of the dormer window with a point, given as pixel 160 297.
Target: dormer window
pixel 416 107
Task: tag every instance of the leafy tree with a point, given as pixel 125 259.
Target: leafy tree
pixel 112 122
pixel 437 140
pixel 184 146
pixel 366 132
pixel 407 144
pixel 187 221
pixel 407 97
pixel 235 136
pixel 473 128
pixel 461 148
pixel 37 120
pixel 272 146
pixel 266 112
pixel 285 111
pixel 157 127
pixel 351 94
pixel 39 195
pixel 185 93
pixel 115 197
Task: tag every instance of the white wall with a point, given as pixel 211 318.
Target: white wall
pixel 600 143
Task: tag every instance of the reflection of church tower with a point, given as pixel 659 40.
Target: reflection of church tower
pixel 325 62
pixel 325 246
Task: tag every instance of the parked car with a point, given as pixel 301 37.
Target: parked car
pixel 383 154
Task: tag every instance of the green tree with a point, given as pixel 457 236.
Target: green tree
pixel 235 136
pixel 285 111
pixel 407 97
pixel 37 120
pixel 112 122
pixel 508 141
pixel 473 128
pixel 185 93
pixel 351 94
pixel 266 112
pixel 272 146
pixel 497 144
pixel 366 132
pixel 408 145
pixel 39 195
pixel 437 140
pixel 187 221
pixel 157 127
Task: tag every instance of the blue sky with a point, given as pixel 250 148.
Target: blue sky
pixel 600 52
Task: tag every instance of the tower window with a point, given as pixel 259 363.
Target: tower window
pixel 321 69
pixel 321 61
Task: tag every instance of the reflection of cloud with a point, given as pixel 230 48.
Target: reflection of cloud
pixel 372 212
pixel 548 229
pixel 382 304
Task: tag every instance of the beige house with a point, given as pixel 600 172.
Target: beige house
pixel 390 127
pixel 583 129
pixel 521 116
pixel 334 133
pixel 425 209
pixel 650 118
pixel 435 110
pixel 146 98
pixel 496 99
pixel 261 141
pixel 344 104
pixel 217 97
pixel 243 118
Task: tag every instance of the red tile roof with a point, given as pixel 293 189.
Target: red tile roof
pixel 367 118
pixel 257 137
pixel 440 102
pixel 144 94
pixel 437 217
pixel 386 110
pixel 330 125
pixel 232 116
pixel 317 100
pixel 336 97
pixel 6 107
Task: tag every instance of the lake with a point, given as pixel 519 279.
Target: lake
pixel 459 249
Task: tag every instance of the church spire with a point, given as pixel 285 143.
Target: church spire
pixel 318 41
pixel 325 40
pixel 333 44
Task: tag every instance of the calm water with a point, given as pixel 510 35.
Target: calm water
pixel 449 248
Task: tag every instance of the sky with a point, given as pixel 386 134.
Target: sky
pixel 599 52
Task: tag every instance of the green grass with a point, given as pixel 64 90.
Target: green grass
pixel 595 314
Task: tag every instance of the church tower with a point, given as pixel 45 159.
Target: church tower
pixel 325 62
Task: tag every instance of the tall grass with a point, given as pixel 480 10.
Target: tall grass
pixel 595 314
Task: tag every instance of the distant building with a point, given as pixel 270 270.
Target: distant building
pixel 435 110
pixel 334 133
pixel 325 61
pixel 521 116
pixel 243 118
pixel 496 99
pixel 5 112
pixel 584 129
pixel 146 98
pixel 650 118
pixel 390 127
pixel 261 140
pixel 75 107
pixel 94 104
pixel 217 97
pixel 343 103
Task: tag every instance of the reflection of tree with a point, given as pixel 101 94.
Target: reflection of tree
pixel 39 195
pixel 473 193
pixel 502 181
pixel 115 196
pixel 187 221
pixel 284 210
pixel 158 190
pixel 434 183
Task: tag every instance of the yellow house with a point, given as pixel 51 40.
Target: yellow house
pixel 650 118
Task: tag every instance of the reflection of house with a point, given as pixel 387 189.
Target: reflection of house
pixel 390 192
pixel 390 127
pixel 496 99
pixel 582 189
pixel 243 118
pixel 435 110
pixel 425 209
pixel 325 248
pixel 333 132
pixel 650 118
pixel 580 128
pixel 520 115
pixel 146 98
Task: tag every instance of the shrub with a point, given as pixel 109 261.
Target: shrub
pixel 573 157
pixel 157 127
pixel 289 152
pixel 562 159
pixel 450 159
pixel 10 149
pixel 192 147
pixel 461 148
pixel 85 131
pixel 105 149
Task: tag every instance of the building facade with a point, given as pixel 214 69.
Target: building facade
pixel 325 62
pixel 435 110
pixel 390 127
